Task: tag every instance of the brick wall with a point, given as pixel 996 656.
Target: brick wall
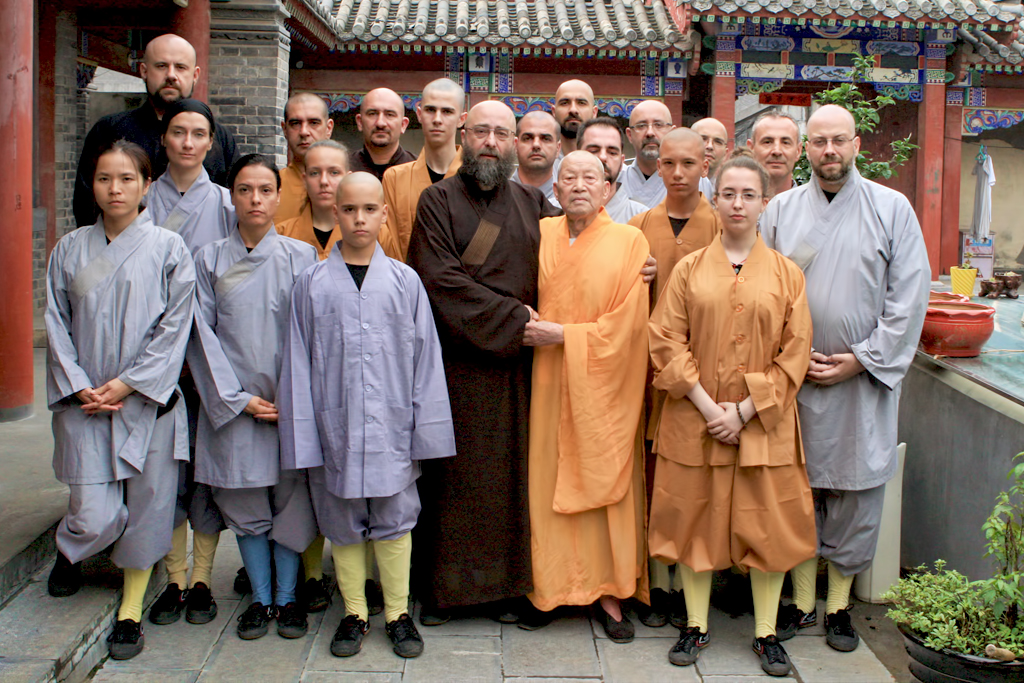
pixel 248 79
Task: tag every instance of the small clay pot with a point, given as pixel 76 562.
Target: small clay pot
pixel 1011 282
pixel 990 288
pixel 955 329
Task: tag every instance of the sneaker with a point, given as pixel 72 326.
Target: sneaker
pixel 677 609
pixel 621 631
pixel 434 616
pixel 774 659
pixel 126 640
pixel 404 637
pixel 654 615
pixel 242 585
pixel 254 621
pixel 687 649
pixel 66 578
pixel 791 619
pixel 348 639
pixel 291 621
pixel 167 608
pixel 839 632
pixel 313 594
pixel 374 597
pixel 201 607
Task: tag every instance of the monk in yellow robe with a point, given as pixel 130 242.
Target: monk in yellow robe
pixel 586 456
pixel 730 344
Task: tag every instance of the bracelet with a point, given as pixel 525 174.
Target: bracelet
pixel 740 413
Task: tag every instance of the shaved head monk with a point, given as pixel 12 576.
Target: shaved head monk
pixel 306 120
pixel 381 120
pixel 574 106
pixel 716 144
pixel 649 123
pixel 538 143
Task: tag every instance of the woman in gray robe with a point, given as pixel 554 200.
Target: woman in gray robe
pixel 118 315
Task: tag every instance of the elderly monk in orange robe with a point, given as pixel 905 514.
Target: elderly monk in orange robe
pixel 586 459
pixel 730 344
pixel 682 223
pixel 326 163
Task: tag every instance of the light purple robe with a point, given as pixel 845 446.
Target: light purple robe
pixel 202 215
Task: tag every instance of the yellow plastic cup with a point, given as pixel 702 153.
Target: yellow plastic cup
pixel 962 280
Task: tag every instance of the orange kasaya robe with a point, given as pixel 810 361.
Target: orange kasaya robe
pixel 301 228
pixel 739 335
pixel 293 193
pixel 586 456
pixel 403 185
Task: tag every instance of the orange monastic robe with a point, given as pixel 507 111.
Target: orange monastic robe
pixel 301 228
pixel 403 185
pixel 586 457
pixel 293 192
pixel 739 335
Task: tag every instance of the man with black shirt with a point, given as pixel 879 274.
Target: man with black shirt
pixel 170 72
pixel 381 120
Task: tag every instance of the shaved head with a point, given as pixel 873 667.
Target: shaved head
pixel 580 159
pixel 716 141
pixel 364 184
pixel 446 86
pixel 381 97
pixel 832 115
pixel 307 98
pixel 540 117
pixel 574 105
pixel 685 135
pixel 169 69
pixel 169 41
pixel 491 111
pixel 650 109
pixel 575 86
pixel 832 146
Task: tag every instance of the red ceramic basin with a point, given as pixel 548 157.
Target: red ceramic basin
pixel 957 329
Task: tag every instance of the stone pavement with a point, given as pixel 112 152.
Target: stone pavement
pixel 573 648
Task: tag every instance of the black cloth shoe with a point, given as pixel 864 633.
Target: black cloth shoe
pixel 126 640
pixel 167 608
pixel 242 585
pixel 654 615
pixel 291 621
pixel 404 637
pixel 621 631
pixel 839 632
pixel 348 639
pixel 66 578
pixel 314 596
pixel 254 621
pixel 687 648
pixel 677 609
pixel 201 607
pixel 791 619
pixel 434 616
pixel 774 659
pixel 374 597
pixel 505 611
pixel 531 618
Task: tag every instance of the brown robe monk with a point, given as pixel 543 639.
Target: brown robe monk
pixel 473 538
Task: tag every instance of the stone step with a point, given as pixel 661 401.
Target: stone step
pixel 18 570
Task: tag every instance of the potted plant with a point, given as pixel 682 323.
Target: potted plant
pixel 960 630
pixel 962 278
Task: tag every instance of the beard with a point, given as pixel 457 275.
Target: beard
pixel 487 172
pixel 177 94
pixel 570 133
pixel 835 176
pixel 649 153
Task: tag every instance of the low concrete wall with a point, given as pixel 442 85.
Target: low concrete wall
pixel 961 439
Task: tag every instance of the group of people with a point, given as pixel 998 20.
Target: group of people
pixel 581 382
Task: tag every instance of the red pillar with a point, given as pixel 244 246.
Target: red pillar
pixel 931 120
pixel 193 24
pixel 16 35
pixel 949 251
pixel 723 104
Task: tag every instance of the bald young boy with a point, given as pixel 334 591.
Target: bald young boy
pixel 363 400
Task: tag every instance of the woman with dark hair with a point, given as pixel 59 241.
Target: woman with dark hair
pixel 243 302
pixel 184 200
pixel 730 343
pixel 118 316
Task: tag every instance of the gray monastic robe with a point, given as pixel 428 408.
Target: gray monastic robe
pixel 123 310
pixel 707 188
pixel 621 208
pixel 202 215
pixel 547 188
pixel 243 300
pixel 648 191
pixel 362 388
pixel 868 277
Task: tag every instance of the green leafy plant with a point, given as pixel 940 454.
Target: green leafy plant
pixel 951 612
pixel 866 116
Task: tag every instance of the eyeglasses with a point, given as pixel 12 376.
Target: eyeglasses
pixel 748 197
pixel 716 142
pixel 822 143
pixel 653 125
pixel 483 132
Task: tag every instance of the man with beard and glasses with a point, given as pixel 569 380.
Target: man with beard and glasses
pixel 306 120
pixel 863 255
pixel 775 143
pixel 603 138
pixel 574 106
pixel 169 69
pixel 381 120
pixel 716 144
pixel 537 147
pixel 649 122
